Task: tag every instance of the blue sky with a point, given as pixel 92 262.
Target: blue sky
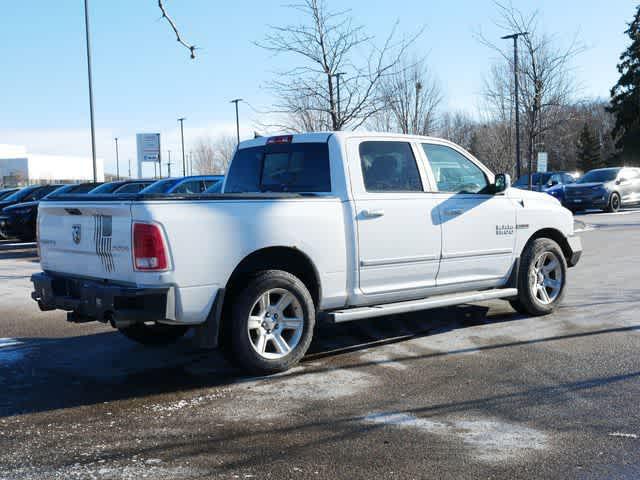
pixel 144 80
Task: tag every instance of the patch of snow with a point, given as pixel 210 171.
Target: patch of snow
pixel 491 440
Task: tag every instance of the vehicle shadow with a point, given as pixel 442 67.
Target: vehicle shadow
pixel 39 374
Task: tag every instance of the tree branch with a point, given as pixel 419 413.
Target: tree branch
pixel 191 48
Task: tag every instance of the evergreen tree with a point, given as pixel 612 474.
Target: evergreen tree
pixel 625 97
pixel 588 150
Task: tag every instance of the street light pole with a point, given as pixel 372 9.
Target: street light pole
pixel 169 165
pixel 129 169
pixel 339 114
pixel 117 161
pixel 93 133
pixel 517 98
pixel 236 101
pixel 184 162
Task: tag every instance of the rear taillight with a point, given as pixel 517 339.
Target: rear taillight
pixel 280 139
pixel 149 249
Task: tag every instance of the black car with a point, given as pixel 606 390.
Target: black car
pixel 121 186
pixel 604 189
pixel 19 220
pixel 26 194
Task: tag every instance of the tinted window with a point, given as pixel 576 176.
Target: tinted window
pixel 5 194
pixel 131 188
pixel 537 179
pixel 38 193
pixel 215 188
pixel 20 194
pixel 106 188
pixel 453 171
pixel 161 186
pixel 192 186
pixel 566 178
pixel 599 176
pixel 389 167
pixel 293 167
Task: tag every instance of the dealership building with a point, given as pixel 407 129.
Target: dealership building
pixel 19 167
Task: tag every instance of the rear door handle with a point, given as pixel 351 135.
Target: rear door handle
pixel 372 213
pixel 453 212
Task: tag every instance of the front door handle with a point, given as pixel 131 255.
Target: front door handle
pixel 372 213
pixel 453 212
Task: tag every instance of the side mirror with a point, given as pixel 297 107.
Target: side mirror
pixel 502 182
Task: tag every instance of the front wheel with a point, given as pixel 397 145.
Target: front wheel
pixel 272 323
pixel 155 335
pixel 541 278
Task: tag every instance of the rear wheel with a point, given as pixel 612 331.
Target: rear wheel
pixel 614 203
pixel 154 335
pixel 272 323
pixel 541 278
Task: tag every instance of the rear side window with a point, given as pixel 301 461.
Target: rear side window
pixel 389 167
pixel 293 167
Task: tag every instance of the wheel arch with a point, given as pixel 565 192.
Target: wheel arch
pixel 289 259
pixel 552 234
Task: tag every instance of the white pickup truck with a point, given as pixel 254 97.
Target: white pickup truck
pixel 339 226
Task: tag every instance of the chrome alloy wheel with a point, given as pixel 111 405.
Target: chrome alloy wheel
pixel 545 278
pixel 275 325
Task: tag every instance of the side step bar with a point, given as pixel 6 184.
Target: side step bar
pixel 438 301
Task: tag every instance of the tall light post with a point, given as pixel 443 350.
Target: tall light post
pixel 117 161
pixel 184 162
pixel 515 36
pixel 338 114
pixel 169 165
pixel 236 101
pixel 93 133
pixel 129 169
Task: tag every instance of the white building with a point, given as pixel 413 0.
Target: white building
pixel 19 167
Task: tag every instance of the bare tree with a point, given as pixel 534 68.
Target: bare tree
pixel 212 156
pixel 334 54
pixel 545 76
pixel 411 99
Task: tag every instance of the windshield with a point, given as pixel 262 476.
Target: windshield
pixel 161 186
pixel 20 194
pixel 106 188
pixel 291 167
pixel 537 179
pixel 599 176
pixel 6 193
pixel 215 188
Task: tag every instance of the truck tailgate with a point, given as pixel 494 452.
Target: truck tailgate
pixel 86 239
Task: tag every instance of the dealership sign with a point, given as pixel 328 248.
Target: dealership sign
pixel 148 147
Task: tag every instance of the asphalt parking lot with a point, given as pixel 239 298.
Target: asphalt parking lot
pixel 475 391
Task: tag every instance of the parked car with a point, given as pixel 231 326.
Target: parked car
pixel 184 185
pixel 545 181
pixel 19 220
pixel 5 192
pixel 343 226
pixel 121 186
pixel 25 194
pixel 606 189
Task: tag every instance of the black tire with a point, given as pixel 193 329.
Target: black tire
pixel 614 203
pixel 242 352
pixel 527 301
pixel 154 335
